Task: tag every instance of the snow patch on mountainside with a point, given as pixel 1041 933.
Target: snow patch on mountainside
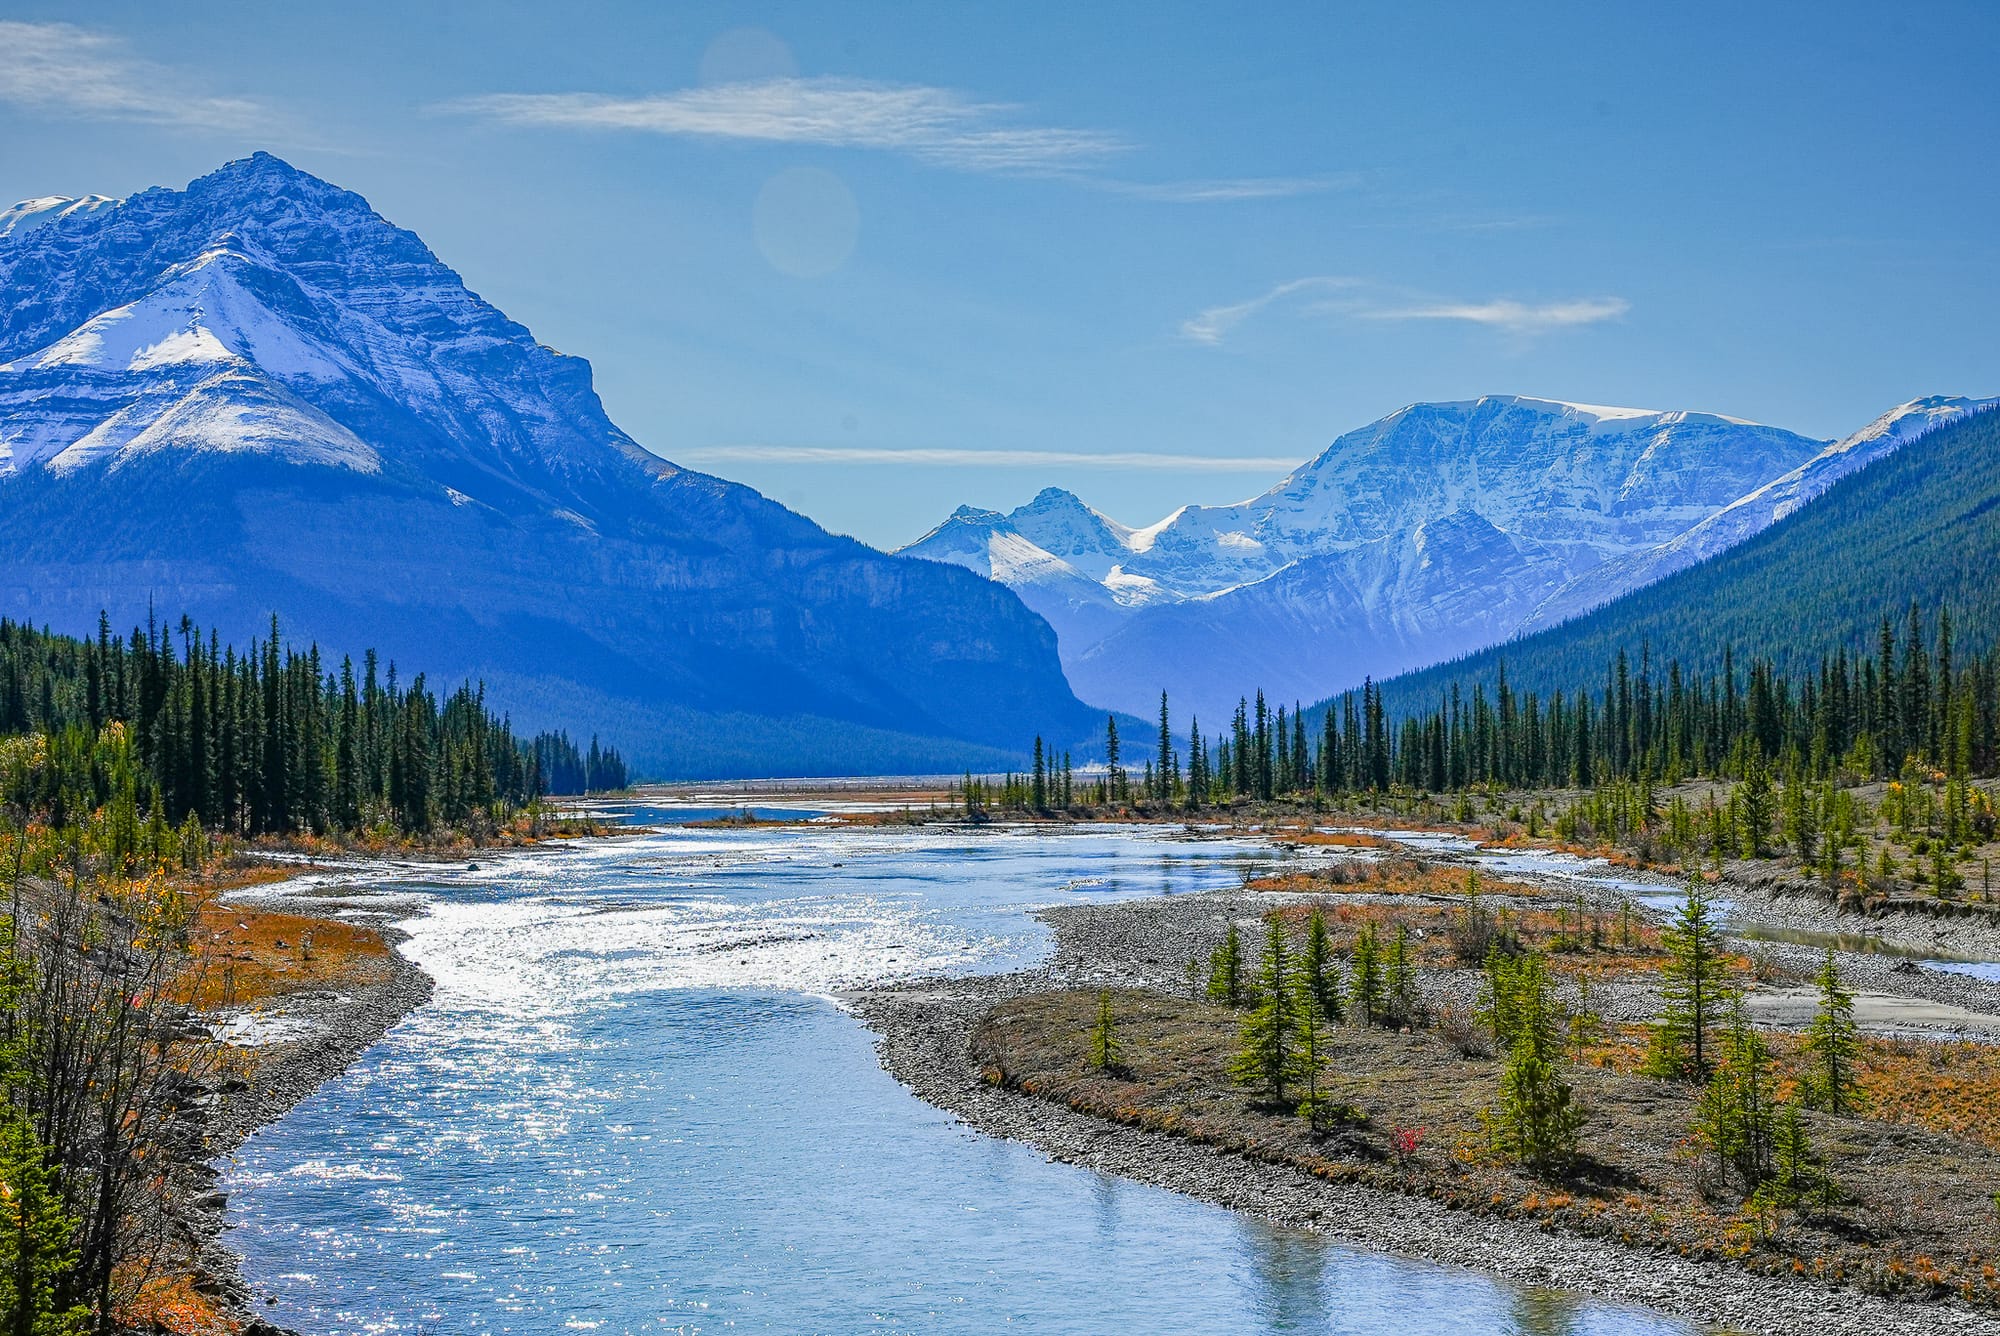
pixel 30 214
pixel 1749 515
pixel 1431 532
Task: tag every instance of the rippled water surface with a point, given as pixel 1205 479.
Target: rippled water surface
pixel 632 1107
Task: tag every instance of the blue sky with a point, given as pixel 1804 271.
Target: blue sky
pixel 880 259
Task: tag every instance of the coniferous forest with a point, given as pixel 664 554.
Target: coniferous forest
pixel 1915 699
pixel 272 739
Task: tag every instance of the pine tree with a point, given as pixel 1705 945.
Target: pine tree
pixel 1319 972
pixel 1696 989
pixel 1536 1119
pixel 1833 1046
pixel 1225 970
pixel 1266 1058
pixel 1364 965
pixel 1104 1035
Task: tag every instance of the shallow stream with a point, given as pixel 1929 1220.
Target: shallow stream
pixel 633 1107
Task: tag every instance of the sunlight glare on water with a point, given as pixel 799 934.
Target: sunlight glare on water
pixel 631 1107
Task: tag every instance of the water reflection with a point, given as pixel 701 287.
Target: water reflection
pixel 1289 1271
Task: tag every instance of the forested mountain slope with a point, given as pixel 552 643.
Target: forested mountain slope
pixel 1920 525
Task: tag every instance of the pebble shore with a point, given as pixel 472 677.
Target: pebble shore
pixel 924 1029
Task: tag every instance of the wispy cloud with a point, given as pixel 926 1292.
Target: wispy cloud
pixel 1229 189
pixel 934 125
pixel 1212 325
pixel 1515 317
pixel 1358 299
pixel 947 457
pixel 62 68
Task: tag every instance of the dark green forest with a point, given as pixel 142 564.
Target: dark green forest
pixel 1921 525
pixel 269 740
pixel 1916 699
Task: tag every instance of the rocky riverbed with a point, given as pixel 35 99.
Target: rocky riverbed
pixel 925 1031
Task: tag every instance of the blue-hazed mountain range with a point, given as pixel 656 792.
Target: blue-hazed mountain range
pixel 256 395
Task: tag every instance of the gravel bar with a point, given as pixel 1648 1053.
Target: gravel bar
pixel 924 1029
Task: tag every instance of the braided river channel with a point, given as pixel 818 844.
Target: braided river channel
pixel 634 1105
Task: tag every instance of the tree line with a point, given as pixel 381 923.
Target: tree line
pixel 1914 700
pixel 270 740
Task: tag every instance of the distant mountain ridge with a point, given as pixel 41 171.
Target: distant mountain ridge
pixel 1434 531
pixel 1920 525
pixel 1750 515
pixel 257 395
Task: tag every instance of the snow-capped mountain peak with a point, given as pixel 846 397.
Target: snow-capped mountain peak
pixel 265 268
pixel 1430 532
pixel 256 394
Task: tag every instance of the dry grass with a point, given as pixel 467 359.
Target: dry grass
pixel 246 956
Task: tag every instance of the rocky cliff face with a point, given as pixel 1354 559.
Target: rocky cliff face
pixel 1437 530
pixel 258 396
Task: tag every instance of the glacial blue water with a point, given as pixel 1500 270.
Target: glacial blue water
pixel 633 1106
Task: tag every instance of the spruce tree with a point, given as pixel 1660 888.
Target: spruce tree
pixel 1536 1119
pixel 1317 1108
pixel 1104 1035
pixel 1266 1058
pixel 1364 988
pixel 1753 798
pixel 1225 970
pixel 1833 1046
pixel 1799 1179
pixel 1696 989
pixel 1400 1000
pixel 1319 972
pixel 1736 1117
pixel 38 1253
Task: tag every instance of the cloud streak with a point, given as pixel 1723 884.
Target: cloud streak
pixel 57 67
pixel 1515 317
pixel 947 457
pixel 1358 299
pixel 1229 190
pixel 1214 324
pixel 933 125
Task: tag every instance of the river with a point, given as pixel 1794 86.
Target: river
pixel 633 1106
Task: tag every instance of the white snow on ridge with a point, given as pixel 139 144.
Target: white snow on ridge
pixel 236 411
pixel 30 214
pixel 203 315
pixel 1755 511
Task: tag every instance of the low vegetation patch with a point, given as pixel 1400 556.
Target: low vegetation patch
pixel 1867 1163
